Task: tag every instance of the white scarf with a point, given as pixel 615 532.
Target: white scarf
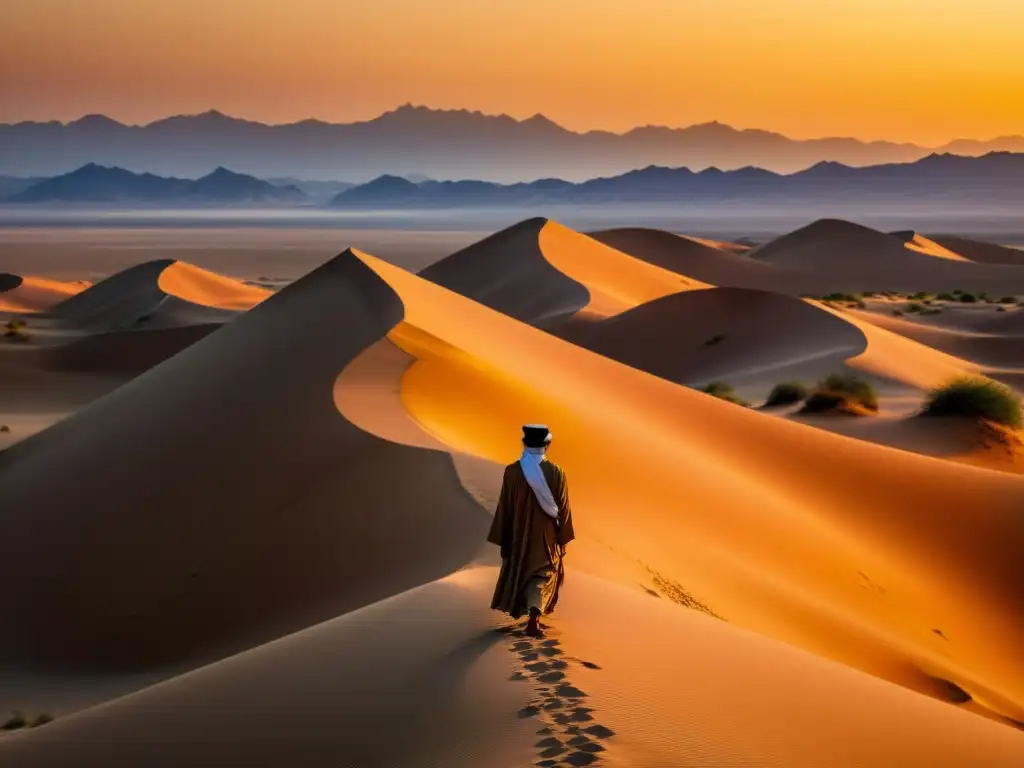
pixel 530 461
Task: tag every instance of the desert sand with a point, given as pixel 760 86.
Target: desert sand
pixel 265 541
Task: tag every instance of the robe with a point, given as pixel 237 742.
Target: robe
pixel 532 542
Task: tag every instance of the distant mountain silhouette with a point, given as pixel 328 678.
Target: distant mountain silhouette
pixel 94 183
pixel 99 184
pixel 12 185
pixel 416 141
pixel 997 177
pixel 317 191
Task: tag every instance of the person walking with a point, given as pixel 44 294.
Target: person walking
pixel 532 526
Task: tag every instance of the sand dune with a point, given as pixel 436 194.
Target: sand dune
pixel 786 529
pixel 833 243
pixel 27 294
pixel 981 252
pixel 918 243
pixel 220 499
pixel 423 679
pixel 850 257
pixel 158 294
pixel 539 271
pixel 725 333
pixel 991 351
pixel 308 460
pixel 962 440
pixel 713 263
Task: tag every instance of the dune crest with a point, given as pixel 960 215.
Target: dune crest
pixel 540 272
pixel 918 243
pixel 26 294
pixel 154 550
pixel 798 517
pixel 157 294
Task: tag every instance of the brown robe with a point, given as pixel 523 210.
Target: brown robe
pixel 532 543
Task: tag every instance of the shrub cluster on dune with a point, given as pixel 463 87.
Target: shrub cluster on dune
pixel 842 393
pixel 723 391
pixel 786 393
pixel 975 398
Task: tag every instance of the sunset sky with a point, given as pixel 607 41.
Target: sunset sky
pixel 914 70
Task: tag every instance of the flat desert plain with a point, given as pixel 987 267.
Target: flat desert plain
pixel 246 477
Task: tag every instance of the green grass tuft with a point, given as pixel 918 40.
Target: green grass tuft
pixel 975 397
pixel 723 391
pixel 843 393
pixel 786 393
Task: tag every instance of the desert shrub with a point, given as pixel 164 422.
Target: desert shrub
pixel 4 428
pixel 787 393
pixel 14 722
pixel 1008 300
pixel 918 296
pixel 935 311
pixel 957 292
pixel 853 298
pixel 1000 309
pixel 716 339
pixel 723 391
pixel 946 297
pixel 968 298
pixel 915 307
pixel 17 334
pixel 841 392
pixel 14 324
pixel 860 305
pixel 977 398
pixel 41 719
pixel 898 312
pixel 868 294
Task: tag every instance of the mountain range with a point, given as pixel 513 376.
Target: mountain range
pixel 441 144
pixel 995 178
pixel 97 184
pixel 942 181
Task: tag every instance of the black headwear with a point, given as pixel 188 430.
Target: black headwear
pixel 536 435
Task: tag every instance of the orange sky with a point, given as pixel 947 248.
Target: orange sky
pixel 915 70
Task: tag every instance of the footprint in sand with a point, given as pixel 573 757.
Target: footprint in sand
pixel 570 734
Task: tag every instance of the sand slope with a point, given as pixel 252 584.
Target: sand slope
pixel 220 499
pixel 423 679
pixel 713 263
pixel 724 333
pixel 988 350
pixel 852 550
pixel 980 251
pixel 158 294
pixel 850 257
pixel 27 294
pixel 539 271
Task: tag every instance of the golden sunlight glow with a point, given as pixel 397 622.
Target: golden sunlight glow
pixel 915 70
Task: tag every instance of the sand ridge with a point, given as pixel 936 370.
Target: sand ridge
pixel 541 272
pixel 150 534
pixel 752 470
pixel 353 405
pixel 25 294
pixel 158 293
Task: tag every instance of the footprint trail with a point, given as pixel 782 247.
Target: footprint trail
pixel 569 734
